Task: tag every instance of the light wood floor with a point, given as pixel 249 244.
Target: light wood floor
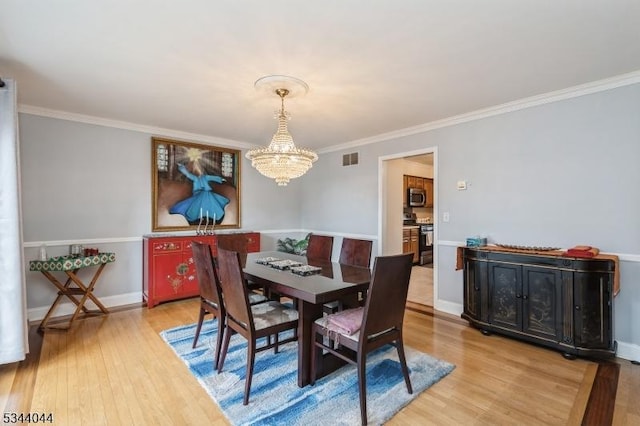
pixel 117 370
pixel 421 286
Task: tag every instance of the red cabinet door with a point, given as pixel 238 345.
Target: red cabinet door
pixel 170 274
pixel 165 270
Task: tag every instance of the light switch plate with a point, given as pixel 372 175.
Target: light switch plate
pixel 462 185
pixel 445 217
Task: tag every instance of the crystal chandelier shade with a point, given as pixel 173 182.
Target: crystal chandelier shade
pixel 282 160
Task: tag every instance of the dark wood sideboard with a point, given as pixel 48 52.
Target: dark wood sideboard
pixel 168 268
pixel 563 303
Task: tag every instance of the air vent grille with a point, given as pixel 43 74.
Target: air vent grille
pixel 350 159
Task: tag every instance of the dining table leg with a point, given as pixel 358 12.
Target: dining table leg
pixel 307 314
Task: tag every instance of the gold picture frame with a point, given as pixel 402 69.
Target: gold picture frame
pixel 194 184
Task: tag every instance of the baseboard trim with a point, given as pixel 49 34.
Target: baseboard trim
pixel 37 314
pixel 628 351
pixel 448 307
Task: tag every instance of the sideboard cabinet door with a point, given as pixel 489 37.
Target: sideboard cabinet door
pixel 542 297
pixel 505 295
pixel 526 299
pixel 167 270
pixel 475 278
pixel 593 310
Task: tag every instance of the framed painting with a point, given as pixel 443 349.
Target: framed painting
pixel 194 184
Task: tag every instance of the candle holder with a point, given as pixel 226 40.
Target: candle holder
pixel 210 230
pixel 213 225
pixel 206 224
pixel 198 231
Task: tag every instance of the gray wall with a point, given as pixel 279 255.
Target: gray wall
pixel 90 184
pixel 558 174
pixel 341 199
pixel 85 181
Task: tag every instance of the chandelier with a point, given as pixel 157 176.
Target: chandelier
pixel 282 160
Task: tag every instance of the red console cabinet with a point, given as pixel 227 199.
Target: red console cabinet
pixel 168 269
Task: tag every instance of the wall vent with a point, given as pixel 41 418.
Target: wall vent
pixel 350 159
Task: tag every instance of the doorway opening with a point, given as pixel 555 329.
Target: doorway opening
pixel 405 226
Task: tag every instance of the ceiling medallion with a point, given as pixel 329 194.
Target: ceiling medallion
pixel 282 160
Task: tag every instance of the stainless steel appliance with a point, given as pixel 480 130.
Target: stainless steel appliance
pixel 416 197
pixel 425 244
pixel 408 219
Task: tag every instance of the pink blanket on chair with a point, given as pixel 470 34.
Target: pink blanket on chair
pixel 346 322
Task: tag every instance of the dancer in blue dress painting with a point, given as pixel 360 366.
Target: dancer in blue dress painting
pixel 202 199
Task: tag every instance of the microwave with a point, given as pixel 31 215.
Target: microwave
pixel 416 197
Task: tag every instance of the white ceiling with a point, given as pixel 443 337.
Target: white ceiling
pixel 372 66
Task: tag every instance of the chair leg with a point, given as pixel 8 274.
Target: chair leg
pixel 200 319
pixel 316 352
pixel 221 325
pixel 225 347
pixel 251 356
pixel 403 364
pixel 295 331
pixel 362 386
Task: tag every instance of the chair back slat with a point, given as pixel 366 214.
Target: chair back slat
pixel 236 297
pixel 234 242
pixel 206 272
pixel 320 247
pixel 387 295
pixel 356 252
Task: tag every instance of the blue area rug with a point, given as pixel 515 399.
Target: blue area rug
pixel 275 397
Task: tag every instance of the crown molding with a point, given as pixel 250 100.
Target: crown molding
pixel 124 125
pixel 533 101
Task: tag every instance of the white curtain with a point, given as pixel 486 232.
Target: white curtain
pixel 13 306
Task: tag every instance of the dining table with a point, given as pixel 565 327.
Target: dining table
pixel 332 281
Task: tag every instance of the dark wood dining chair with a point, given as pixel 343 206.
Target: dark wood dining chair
pixel 211 299
pixel 382 319
pixel 240 244
pixel 353 252
pixel 320 247
pixel 234 242
pixel 250 321
pixel 210 293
